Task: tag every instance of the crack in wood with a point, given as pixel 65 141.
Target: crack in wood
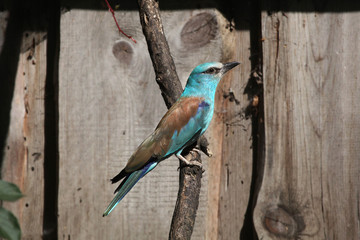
pixel 277 27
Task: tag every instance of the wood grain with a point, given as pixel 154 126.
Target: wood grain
pixel 236 157
pixel 310 187
pixel 24 154
pixel 230 140
pixel 107 106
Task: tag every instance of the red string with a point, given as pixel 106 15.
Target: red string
pixel 117 24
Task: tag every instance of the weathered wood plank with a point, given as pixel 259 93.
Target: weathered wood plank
pixel 108 103
pixel 230 137
pixel 310 188
pixel 24 152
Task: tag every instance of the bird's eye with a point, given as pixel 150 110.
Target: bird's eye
pixel 212 71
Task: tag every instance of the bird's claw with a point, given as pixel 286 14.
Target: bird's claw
pixel 196 150
pixel 206 151
pixel 189 163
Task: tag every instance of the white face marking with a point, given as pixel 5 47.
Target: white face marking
pixel 215 66
pixel 218 65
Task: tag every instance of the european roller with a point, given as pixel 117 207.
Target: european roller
pixel 179 128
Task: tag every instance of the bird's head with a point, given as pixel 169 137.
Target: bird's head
pixel 206 76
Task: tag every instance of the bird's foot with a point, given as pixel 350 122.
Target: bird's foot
pixel 187 162
pixel 206 151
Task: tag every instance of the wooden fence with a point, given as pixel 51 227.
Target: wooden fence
pixel 78 98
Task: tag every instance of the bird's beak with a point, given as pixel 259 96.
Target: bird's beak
pixel 227 66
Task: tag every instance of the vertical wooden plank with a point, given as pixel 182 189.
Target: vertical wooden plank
pixel 215 137
pixel 230 137
pixel 23 155
pixel 310 188
pixel 236 157
pixel 108 103
pixel 34 97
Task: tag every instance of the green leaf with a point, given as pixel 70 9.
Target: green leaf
pixel 9 225
pixel 9 191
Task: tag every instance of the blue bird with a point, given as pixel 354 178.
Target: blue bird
pixel 180 127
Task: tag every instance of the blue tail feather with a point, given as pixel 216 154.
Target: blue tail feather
pixel 127 184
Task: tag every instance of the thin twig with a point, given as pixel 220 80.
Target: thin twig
pixel 117 24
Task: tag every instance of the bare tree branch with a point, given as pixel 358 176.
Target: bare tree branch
pixel 190 176
pixel 163 63
pixel 187 202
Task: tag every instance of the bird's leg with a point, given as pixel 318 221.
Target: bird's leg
pixel 187 162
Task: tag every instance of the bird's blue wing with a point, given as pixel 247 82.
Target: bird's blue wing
pixel 189 132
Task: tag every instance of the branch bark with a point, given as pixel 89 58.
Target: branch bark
pixel 163 64
pixel 190 176
pixel 187 203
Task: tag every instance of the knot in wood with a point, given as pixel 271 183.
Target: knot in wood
pixel 123 51
pixel 199 30
pixel 280 222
